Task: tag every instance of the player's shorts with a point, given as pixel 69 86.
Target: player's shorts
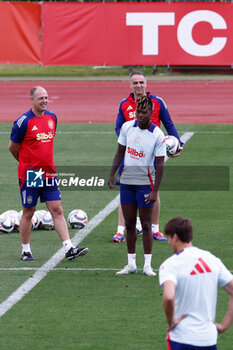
pixel 135 194
pixel 49 192
pixel 172 345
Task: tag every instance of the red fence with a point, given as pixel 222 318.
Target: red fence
pixel 117 33
pixel 20 32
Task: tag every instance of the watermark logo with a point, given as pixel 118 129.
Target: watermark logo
pixel 35 178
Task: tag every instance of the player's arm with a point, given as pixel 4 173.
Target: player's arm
pixel 169 302
pixel 228 319
pixel 14 149
pixel 169 125
pixel 120 120
pixel 169 289
pixel 115 165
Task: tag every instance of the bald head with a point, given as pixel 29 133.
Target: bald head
pixel 36 89
pixel 39 98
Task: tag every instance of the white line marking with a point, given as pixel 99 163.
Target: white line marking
pixel 70 132
pixel 59 255
pixel 62 269
pixel 187 136
pixel 184 138
pixel 56 258
pixel 113 133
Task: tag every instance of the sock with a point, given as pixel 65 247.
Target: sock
pixel 26 247
pixel 67 245
pixel 147 258
pixel 132 259
pixel 155 228
pixel 120 229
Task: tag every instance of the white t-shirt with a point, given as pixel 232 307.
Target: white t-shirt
pixel 196 273
pixel 142 146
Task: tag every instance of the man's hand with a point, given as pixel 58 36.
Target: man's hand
pixel 152 197
pixel 220 328
pixel 175 322
pixel 111 182
pixel 177 154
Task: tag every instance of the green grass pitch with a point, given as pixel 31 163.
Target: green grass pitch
pixel 82 304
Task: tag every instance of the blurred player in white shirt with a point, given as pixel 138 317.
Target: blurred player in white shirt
pixel 190 280
pixel 140 141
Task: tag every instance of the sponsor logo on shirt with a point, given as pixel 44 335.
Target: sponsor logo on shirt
pixel 130 107
pixel 132 115
pixel 43 137
pixel 135 154
pixel 34 128
pixel 200 267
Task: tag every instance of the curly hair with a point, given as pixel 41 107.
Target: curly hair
pixel 144 104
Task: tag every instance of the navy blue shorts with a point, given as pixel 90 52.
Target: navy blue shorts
pixel 172 345
pixel 49 192
pixel 135 194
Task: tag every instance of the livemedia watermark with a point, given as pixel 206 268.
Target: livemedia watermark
pixel 95 178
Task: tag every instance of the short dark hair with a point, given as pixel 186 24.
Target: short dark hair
pixel 182 227
pixel 32 92
pixel 144 104
pixel 136 72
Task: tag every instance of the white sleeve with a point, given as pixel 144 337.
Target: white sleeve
pixel 160 146
pixel 122 137
pixel 225 276
pixel 167 273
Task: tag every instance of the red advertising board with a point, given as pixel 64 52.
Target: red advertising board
pixel 20 32
pixel 137 34
pixel 163 33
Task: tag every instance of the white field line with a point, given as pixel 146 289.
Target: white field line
pixel 62 269
pixel 56 258
pixel 113 133
pixel 41 272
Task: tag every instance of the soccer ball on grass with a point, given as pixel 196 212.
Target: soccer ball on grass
pixel 77 219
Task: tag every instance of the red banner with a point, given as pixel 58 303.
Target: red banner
pixel 137 34
pixel 117 33
pixel 20 32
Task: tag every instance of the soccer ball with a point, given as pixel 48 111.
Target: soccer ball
pixel 47 222
pixel 77 218
pixel 35 221
pixel 7 222
pixel 139 227
pixel 14 217
pixel 172 145
pixel 40 214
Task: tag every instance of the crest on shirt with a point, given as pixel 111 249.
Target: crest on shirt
pixel 50 124
pixel 137 141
